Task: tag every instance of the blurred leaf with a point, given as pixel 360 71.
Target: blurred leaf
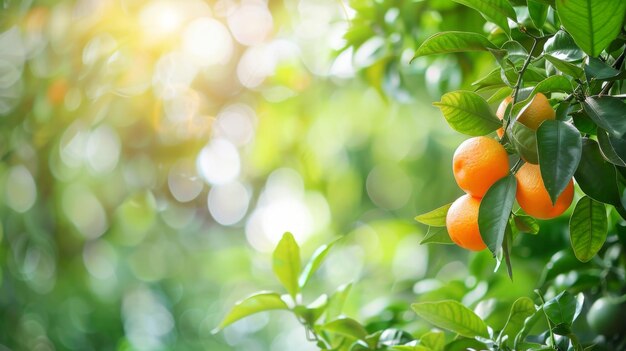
pixel 453 316
pixel 468 113
pixel 259 302
pixel 448 42
pixel 463 344
pixel 436 217
pixel 561 308
pixel 434 340
pixel 538 12
pixel 612 149
pixel 495 11
pixel 336 301
pixel 315 262
pixel 588 228
pixel 392 337
pixel 286 263
pixel 559 147
pixel 562 46
pixel 313 311
pixel 437 235
pixel 522 308
pixel 524 140
pixel 566 67
pixel 608 113
pixel 495 209
pixel 592 24
pixel 595 176
pixel 529 323
pixel 346 327
pixel 599 70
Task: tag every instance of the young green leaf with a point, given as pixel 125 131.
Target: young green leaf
pixel 524 140
pixel 453 316
pixel 315 262
pixel 336 301
pixel 595 176
pixel 495 209
pixel 566 67
pixel 437 235
pixel 561 309
pixel 592 24
pixel 468 113
pixel 259 302
pixel 495 11
pixel 448 42
pixel 608 113
pixel 559 147
pixel 346 327
pixel 286 263
pixel 436 217
pixel 434 340
pixel 612 149
pixel 563 47
pixel 313 311
pixel 588 228
pixel 522 308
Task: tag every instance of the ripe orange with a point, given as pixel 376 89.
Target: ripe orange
pixel 478 163
pixel 533 197
pixel 500 113
pixel 462 223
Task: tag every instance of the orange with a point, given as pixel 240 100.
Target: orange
pixel 500 113
pixel 478 163
pixel 56 91
pixel 462 223
pixel 533 197
pixel 538 111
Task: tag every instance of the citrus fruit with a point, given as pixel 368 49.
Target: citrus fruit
pixel 606 315
pixel 462 223
pixel 500 113
pixel 478 163
pixel 538 111
pixel 533 197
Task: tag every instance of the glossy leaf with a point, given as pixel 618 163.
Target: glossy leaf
pixel 495 11
pixel 588 228
pixel 447 42
pixel 595 176
pixel 559 147
pixel 522 308
pixel 563 47
pixel 468 113
pixel 515 51
pixel 453 316
pixel 346 327
pixel 592 24
pixel 608 113
pixel 526 224
pixel 561 309
pixel 286 263
pixel 314 263
pixel 538 12
pixel 495 209
pixel 437 235
pixel 553 84
pixel 612 149
pixel 259 302
pixel 436 217
pixel 524 140
pixel 566 67
pixel 599 70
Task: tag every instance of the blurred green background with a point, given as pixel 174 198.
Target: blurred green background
pixel 154 152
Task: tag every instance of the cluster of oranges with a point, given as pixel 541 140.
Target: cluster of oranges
pixel 481 161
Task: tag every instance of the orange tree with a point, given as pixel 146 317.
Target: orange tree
pixel 559 127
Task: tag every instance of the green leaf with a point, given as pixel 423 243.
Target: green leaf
pixel 559 148
pixel 524 140
pixel 608 113
pixel 561 309
pixel 346 327
pixel 393 337
pixel 494 78
pixel 566 67
pixel 495 209
pixel 315 262
pixel 434 340
pixel 463 344
pixel 553 84
pixel 436 217
pixel 588 228
pixel 612 149
pixel 313 311
pixel 259 302
pixel 515 51
pixel 286 263
pixel 538 12
pixel 468 113
pixel 448 42
pixel 599 70
pixel 506 249
pixel 499 95
pixel 563 47
pixel 453 316
pixel 522 308
pixel 592 23
pixel 526 224
pixel 437 235
pixel 495 11
pixel 528 326
pixel 595 176
pixel 336 301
